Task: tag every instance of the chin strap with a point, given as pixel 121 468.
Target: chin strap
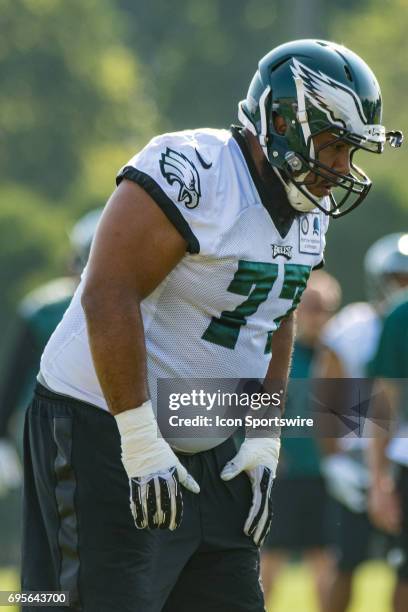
pixel 296 198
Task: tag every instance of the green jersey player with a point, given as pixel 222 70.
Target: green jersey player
pixel 199 262
pixel 358 324
pixel 38 314
pixel 388 502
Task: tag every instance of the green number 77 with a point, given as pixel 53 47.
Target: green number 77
pixel 255 280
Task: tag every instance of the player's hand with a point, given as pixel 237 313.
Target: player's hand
pixel 384 506
pixel 155 473
pixel 347 481
pixel 10 467
pixel 258 457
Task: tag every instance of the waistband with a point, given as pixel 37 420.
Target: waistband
pixel 46 394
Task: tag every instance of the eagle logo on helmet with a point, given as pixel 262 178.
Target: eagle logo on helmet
pixel 177 168
pixel 338 102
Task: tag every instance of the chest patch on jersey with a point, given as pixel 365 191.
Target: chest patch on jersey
pixel 310 235
pixel 177 168
pixel 281 249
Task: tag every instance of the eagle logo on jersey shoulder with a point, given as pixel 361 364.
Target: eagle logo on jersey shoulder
pixel 177 168
pixel 338 102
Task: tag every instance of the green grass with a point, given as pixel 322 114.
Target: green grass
pixel 294 591
pixel 372 590
pixel 9 581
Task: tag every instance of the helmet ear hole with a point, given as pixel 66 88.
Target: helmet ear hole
pixel 279 124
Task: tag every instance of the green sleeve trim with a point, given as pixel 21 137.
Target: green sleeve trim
pixel 166 204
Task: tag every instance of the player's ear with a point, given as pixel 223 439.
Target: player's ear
pixel 280 124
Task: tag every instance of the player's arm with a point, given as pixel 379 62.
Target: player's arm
pixel 282 349
pixel 328 365
pixel 383 504
pixel 346 479
pixel 134 249
pixel 387 366
pixel 386 397
pixel 258 457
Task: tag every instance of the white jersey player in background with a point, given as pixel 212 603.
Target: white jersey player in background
pixel 198 264
pixel 353 335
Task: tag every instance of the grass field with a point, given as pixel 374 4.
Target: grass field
pixel 294 592
pixel 373 588
pixel 9 582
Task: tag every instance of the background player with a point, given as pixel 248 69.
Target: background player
pixel 38 315
pixel 358 325
pixel 388 501
pixel 299 495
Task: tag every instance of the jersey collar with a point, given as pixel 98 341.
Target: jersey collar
pixel 273 196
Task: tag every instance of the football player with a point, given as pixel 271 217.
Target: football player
pixel 388 499
pixel 200 259
pixel 358 324
pixel 299 496
pixel 38 314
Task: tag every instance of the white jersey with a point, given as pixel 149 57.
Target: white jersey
pixel 247 262
pixel 353 334
pixel 397 449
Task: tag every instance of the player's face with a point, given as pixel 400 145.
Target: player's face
pixel 334 153
pixel 399 280
pixel 312 314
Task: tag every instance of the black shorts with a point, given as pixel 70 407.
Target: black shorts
pixel 79 535
pixel 352 535
pixel 402 539
pixel 299 510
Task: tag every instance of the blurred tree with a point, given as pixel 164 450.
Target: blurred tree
pixel 73 108
pixel 33 243
pixel 68 85
pixel 202 54
pixel 377 32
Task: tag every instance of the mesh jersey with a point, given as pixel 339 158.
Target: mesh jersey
pixel 214 314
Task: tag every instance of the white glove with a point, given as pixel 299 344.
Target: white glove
pixel 258 457
pixel 10 467
pixel 154 471
pixel 347 480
